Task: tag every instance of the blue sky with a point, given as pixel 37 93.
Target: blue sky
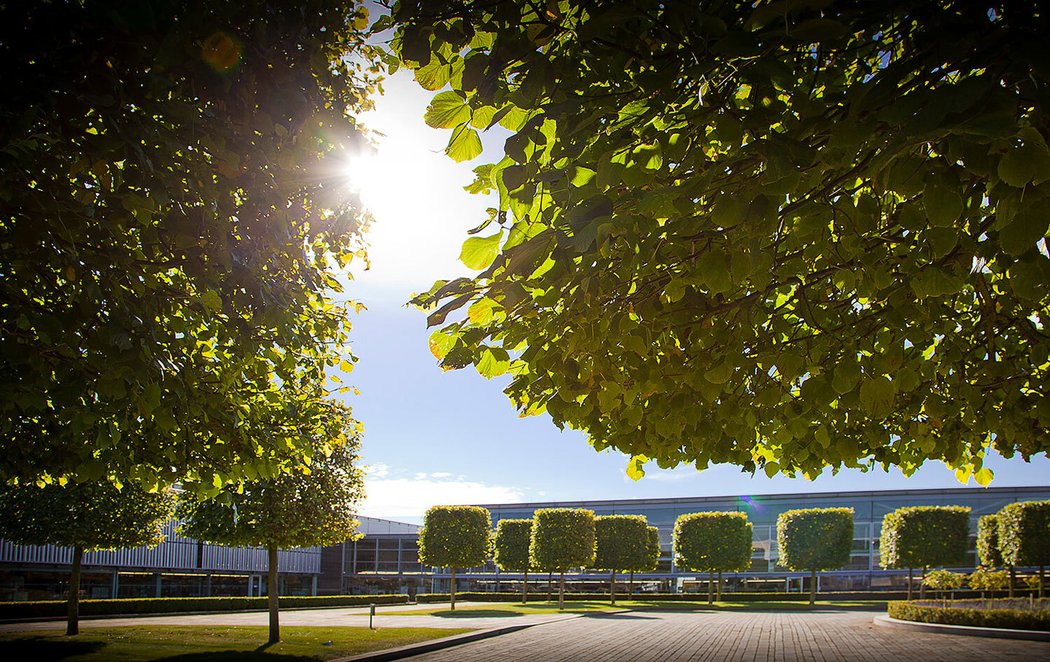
pixel 452 437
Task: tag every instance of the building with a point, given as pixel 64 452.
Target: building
pixel 375 568
pixel 385 559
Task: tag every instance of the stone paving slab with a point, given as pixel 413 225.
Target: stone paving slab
pixel 734 637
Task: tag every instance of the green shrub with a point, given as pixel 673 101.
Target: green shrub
pixel 1017 619
pixel 988 541
pixel 130 606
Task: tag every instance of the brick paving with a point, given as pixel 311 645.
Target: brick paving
pixel 734 637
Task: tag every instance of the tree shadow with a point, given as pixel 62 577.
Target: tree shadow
pixel 48 648
pixel 237 656
pixel 476 613
pixel 618 616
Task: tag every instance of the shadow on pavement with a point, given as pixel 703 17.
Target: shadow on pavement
pixel 235 656
pixel 619 616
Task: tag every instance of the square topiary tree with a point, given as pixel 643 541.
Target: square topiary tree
pixel 511 549
pixel 815 539
pixel 455 537
pixel 621 543
pixel 562 538
pixel 988 541
pixel 713 542
pixel 1024 536
pixel 923 537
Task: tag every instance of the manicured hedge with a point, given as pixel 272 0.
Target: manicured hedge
pixel 56 608
pixel 670 597
pixel 1014 619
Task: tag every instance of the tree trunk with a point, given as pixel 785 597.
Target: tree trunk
pixel 452 591
pixel 710 586
pixel 630 587
pixel 525 588
pixel 550 584
pixel 911 581
pixel 561 590
pixel 719 598
pixel 922 584
pixel 73 605
pixel 1042 570
pixel 612 587
pixel 812 587
pixel 273 596
pixel 1013 580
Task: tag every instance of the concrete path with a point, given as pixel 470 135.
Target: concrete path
pixel 734 636
pixel 356 616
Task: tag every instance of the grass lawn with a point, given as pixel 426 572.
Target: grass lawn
pixel 191 643
pixel 496 609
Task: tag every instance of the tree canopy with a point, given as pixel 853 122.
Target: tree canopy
pixel 172 220
pixel 924 536
pixel 713 541
pixel 455 536
pixel 788 236
pixel 85 516
pixel 314 505
pixel 511 544
pixel 988 541
pixel 1024 533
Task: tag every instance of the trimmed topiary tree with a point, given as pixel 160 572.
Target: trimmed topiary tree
pixel 86 517
pixel 713 542
pixel 1024 536
pixel 621 544
pixel 922 537
pixel 562 538
pixel 511 549
pixel 815 539
pixel 988 541
pixel 455 537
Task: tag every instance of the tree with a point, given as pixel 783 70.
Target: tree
pixel 562 538
pixel 314 506
pixel 652 556
pixel 988 541
pixel 713 542
pixel 86 517
pixel 1024 536
pixel 985 579
pixel 944 580
pixel 455 536
pixel 172 223
pixel 815 539
pixel 782 237
pixel 621 543
pixel 511 549
pixel 924 536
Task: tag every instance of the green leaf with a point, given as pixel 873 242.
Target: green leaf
pixel 636 468
pixel 1025 163
pixel 465 144
pixel 493 363
pixel 479 252
pixel 447 110
pixel 943 206
pixel 877 395
pixel 983 476
pixel 1026 228
pixel 211 301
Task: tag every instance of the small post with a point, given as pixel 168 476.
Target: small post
pixel 371 615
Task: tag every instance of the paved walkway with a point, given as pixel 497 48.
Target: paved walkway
pixel 357 616
pixel 734 636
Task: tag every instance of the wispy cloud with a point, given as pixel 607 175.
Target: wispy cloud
pixel 405 499
pixel 377 471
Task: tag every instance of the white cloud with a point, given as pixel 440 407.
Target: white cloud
pixel 441 474
pixel 379 470
pixel 406 499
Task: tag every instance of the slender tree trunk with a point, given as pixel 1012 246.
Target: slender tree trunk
pixel 73 605
pixel 719 585
pixel 812 587
pixel 911 581
pixel 273 596
pixel 1013 580
pixel 561 590
pixel 452 591
pixel 710 586
pixel 630 587
pixel 525 588
pixel 922 584
pixel 550 584
pixel 1042 570
pixel 612 587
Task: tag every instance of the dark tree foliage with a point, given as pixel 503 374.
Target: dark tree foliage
pixel 85 517
pixel 171 224
pixel 783 235
pixel 988 541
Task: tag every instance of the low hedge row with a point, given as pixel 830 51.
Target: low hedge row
pixel 1014 619
pixel 541 596
pixel 52 608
